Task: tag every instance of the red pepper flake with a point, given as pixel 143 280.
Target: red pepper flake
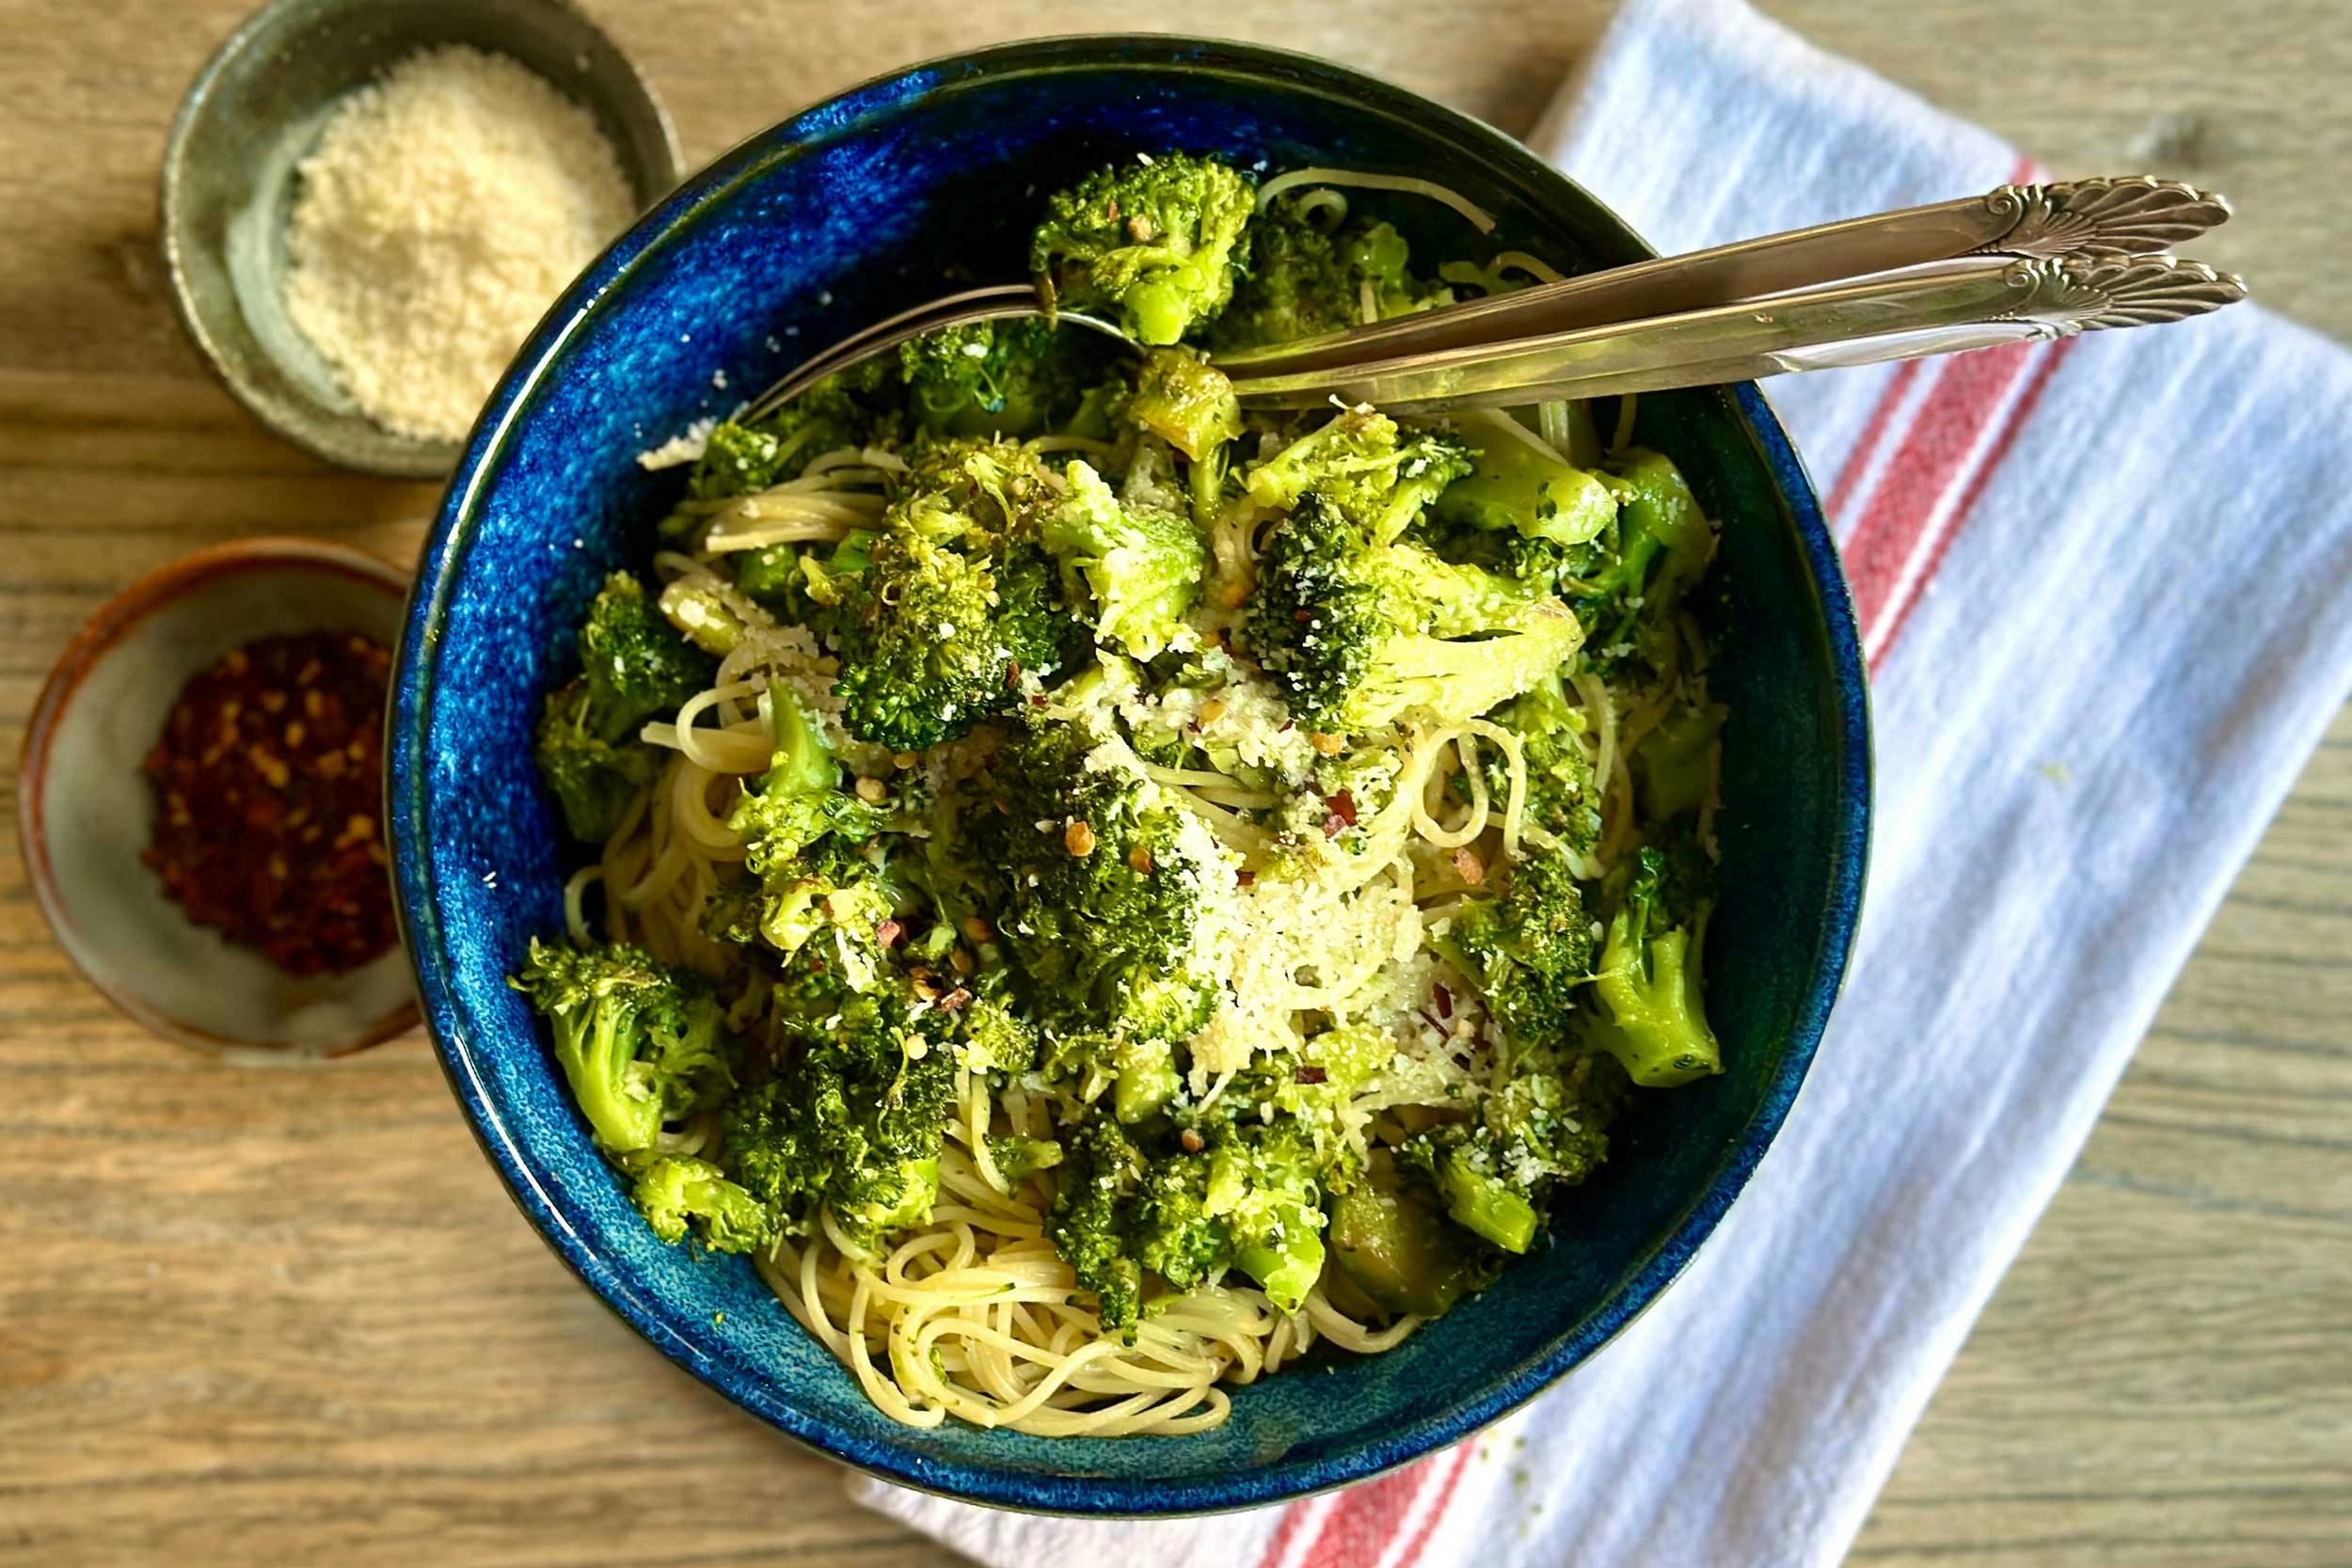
pixel 1444 999
pixel 1038 700
pixel 1012 674
pixel 1309 1075
pixel 954 1000
pixel 239 797
pixel 1245 879
pixel 888 933
pixel 1343 806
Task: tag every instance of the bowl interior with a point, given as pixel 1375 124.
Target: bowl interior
pixel 88 812
pixel 845 216
pixel 257 111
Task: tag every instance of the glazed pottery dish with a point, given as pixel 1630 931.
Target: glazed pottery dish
pixel 256 109
pixel 889 195
pixel 87 812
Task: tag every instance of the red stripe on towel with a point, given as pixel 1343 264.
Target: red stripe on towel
pixel 2045 358
pixel 1428 1527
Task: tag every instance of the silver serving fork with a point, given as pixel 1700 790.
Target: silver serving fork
pixel 2019 264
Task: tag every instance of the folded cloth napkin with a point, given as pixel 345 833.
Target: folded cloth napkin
pixel 2105 589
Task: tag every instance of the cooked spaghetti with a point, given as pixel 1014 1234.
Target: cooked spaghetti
pixel 1102 897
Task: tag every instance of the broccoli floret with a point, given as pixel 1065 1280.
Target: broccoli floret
pixel 832 892
pixel 1171 1230
pixel 1089 1227
pixel 1358 634
pixel 1156 244
pixel 957 600
pixel 1516 487
pixel 996 1039
pixel 1252 1202
pixel 633 651
pixel 1376 477
pixel 633 665
pixel 1541 1131
pixel 1647 982
pixel 1187 401
pixel 1527 952
pixel 1110 890
pixel 673 1192
pixel 851 1121
pixel 998 378
pixel 843 410
pixel 1563 797
pixel 1304 281
pixel 1137 566
pixel 1265 1182
pixel 799 799
pixel 1660 545
pixel 638 1044
pixel 1018 1159
pixel 587 751
pixel 1397 1249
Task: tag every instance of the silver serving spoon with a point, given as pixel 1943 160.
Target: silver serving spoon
pixel 2019 264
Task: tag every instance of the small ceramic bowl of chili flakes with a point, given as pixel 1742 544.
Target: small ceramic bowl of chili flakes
pixel 201 800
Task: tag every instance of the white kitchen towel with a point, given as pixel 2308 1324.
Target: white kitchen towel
pixel 2106 587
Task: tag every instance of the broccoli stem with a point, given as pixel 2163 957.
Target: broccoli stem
pixel 1483 1205
pixel 1288 1261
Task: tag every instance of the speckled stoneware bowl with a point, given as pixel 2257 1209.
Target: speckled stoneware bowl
pixel 256 110
pixel 86 811
pixel 842 216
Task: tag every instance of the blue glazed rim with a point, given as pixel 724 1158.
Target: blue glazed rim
pixel 443 558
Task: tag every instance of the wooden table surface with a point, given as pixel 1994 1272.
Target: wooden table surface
pixel 290 1315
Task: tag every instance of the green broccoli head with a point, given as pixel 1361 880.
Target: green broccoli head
pixel 589 755
pixel 1112 892
pixel 634 666
pixel 1358 634
pixel 630 649
pixel 799 800
pixel 994 1037
pixel 1516 485
pixel 845 410
pixel 1187 401
pixel 1093 1192
pixel 1266 1185
pixel 1305 280
pixel 638 1044
pixel 1379 478
pixel 1156 244
pixel 1563 797
pixel 1170 1230
pixel 1527 952
pixel 1544 1129
pixel 837 893
pixel 850 1119
pixel 1654 1020
pixel 1136 567
pixel 1012 378
pixel 675 1192
pixel 1661 546
pixel 957 602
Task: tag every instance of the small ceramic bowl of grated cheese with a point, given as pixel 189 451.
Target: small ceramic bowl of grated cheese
pixel 367 207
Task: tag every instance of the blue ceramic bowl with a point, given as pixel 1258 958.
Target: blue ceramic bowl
pixel 846 214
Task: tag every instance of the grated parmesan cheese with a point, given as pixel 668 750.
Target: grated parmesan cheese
pixel 442 210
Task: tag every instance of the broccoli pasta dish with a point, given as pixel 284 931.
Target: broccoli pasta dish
pixel 1102 893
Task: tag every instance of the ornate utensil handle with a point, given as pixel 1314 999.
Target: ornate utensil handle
pixel 2133 216
pixel 1976 303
